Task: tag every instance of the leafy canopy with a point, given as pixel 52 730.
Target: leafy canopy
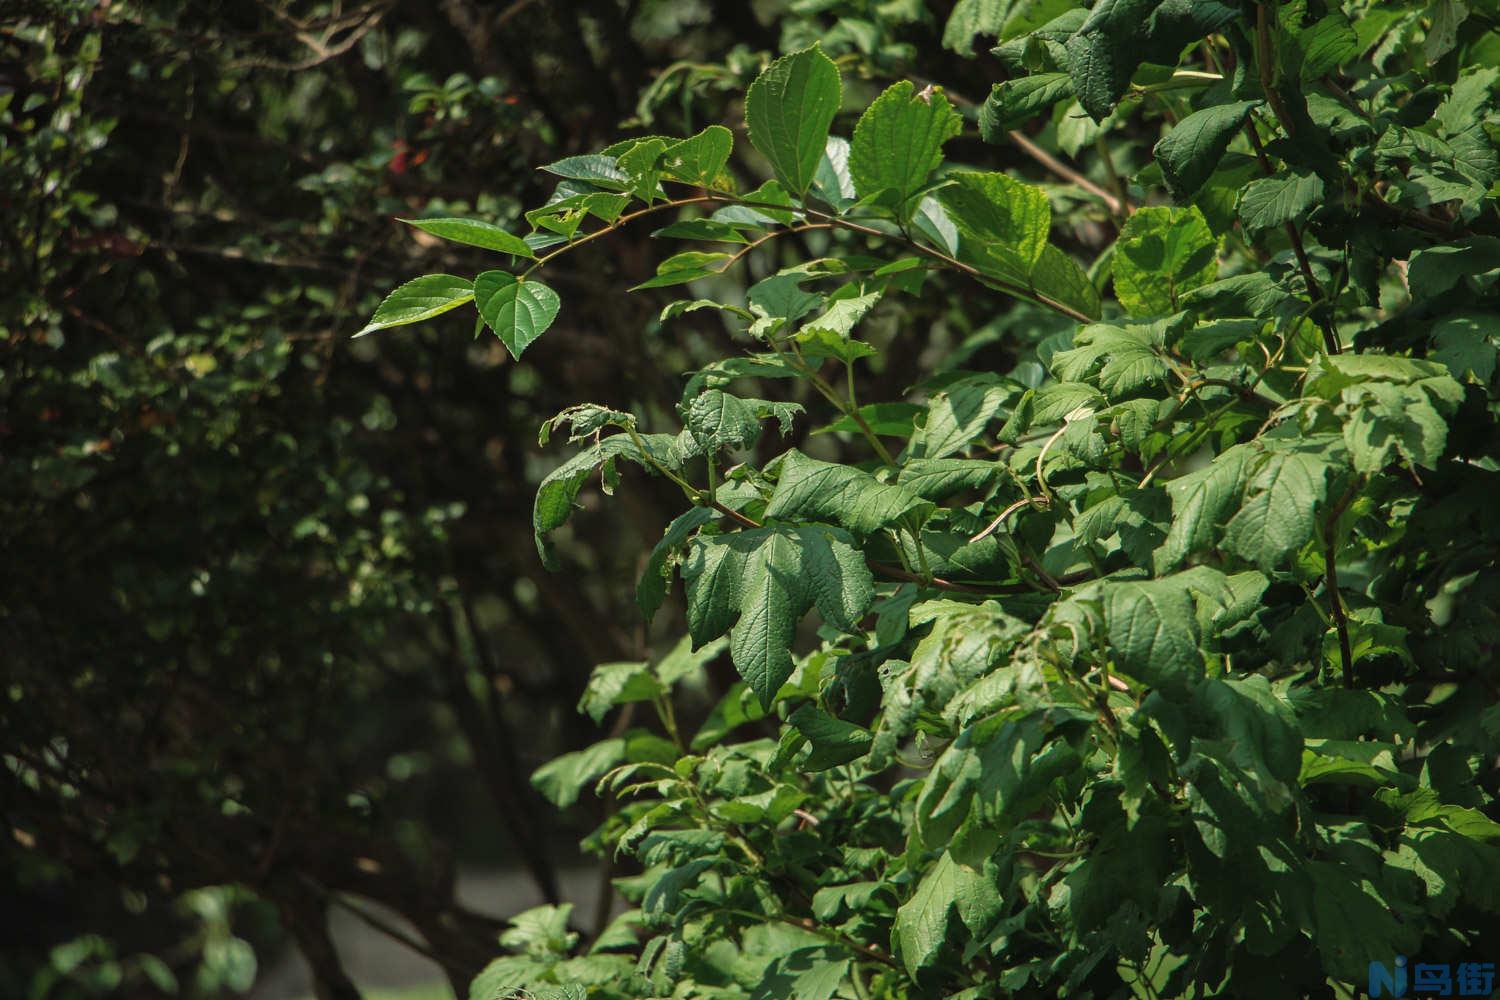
pixel 1153 660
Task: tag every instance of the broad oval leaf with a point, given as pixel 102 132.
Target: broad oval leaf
pixel 1189 153
pixel 475 234
pixel 1162 254
pixel 700 159
pixel 420 298
pixel 1002 222
pixel 789 109
pixel 518 311
pixel 899 140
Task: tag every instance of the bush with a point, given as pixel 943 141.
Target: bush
pixel 1159 662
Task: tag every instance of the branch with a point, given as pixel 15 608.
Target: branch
pixel 1117 205
pixel 1331 584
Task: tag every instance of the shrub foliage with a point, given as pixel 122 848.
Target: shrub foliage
pixel 1155 660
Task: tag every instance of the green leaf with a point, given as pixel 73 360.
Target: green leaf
pixel 1326 45
pixel 1161 255
pixel 1153 631
pixel 1436 269
pixel 419 299
pixel 1201 501
pixel 1190 152
pixel 840 494
pixel 1472 93
pixel 1355 924
pixel 939 478
pixel 703 229
pixel 818 344
pixel 475 234
pixel 719 420
pixel 788 109
pixel 996 772
pixel 1382 420
pixel 1012 103
pixel 518 311
pixel 758 584
pixel 690 265
pixel 1272 201
pixel 921 929
pixel 561 779
pixel 593 168
pixel 1058 277
pixel 701 159
pixel 834 741
pixel 1104 52
pixel 958 414
pixel 899 140
pixel 555 495
pixel 1462 342
pixel 613 684
pixel 1003 222
pixel 542 930
pixel 884 419
pixel 1260 728
pixel 1281 501
pixel 973 17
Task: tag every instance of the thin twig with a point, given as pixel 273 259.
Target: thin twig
pixel 1116 205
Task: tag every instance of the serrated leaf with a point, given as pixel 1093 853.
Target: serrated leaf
pixel 593 168
pixel 1104 52
pixel 834 742
pixel 561 779
pixel 475 234
pixel 939 478
pixel 1002 223
pixel 832 182
pixel 718 421
pixel 1190 152
pixel 679 269
pixel 789 109
pixel 921 928
pixel 652 588
pixel 1279 511
pixel 1463 344
pixel 700 159
pixel 1153 631
pixel 1012 103
pixel 419 299
pixel 1201 501
pixel 1162 254
pixel 518 311
pixel 703 229
pixel 996 772
pixel 840 494
pixel 612 684
pixel 1272 201
pixel 555 495
pixel 1058 277
pixel 758 584
pixel 970 18
pixel 899 140
pixel 959 414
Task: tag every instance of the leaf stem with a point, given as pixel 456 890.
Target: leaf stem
pixel 617 224
pixel 1331 584
pixel 999 284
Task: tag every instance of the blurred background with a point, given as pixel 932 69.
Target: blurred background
pixel 277 655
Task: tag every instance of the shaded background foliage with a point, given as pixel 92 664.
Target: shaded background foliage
pixel 275 638
pixel 264 619
pixel 267 621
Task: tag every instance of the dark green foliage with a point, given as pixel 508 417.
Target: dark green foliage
pixel 1197 724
